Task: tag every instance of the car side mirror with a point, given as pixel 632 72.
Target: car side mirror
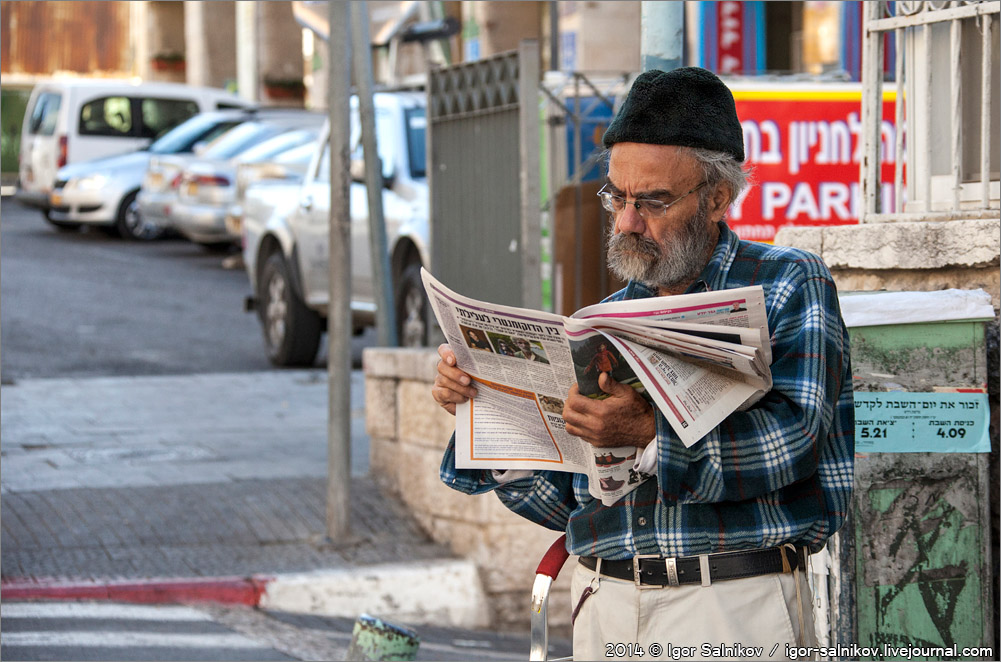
pixel 199 148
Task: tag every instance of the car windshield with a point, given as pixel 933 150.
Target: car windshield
pixel 278 144
pixel 240 139
pixel 297 156
pixel 183 138
pixel 45 113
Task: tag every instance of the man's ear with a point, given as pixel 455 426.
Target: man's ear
pixel 719 202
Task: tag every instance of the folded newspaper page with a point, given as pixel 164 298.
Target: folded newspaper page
pixel 696 357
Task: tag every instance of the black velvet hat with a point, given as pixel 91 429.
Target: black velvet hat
pixel 689 107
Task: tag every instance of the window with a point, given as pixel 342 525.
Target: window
pixel 183 138
pixel 45 113
pixel 109 116
pixel 162 115
pixel 416 145
pixel 240 139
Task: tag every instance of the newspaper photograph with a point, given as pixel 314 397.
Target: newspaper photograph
pixel 695 357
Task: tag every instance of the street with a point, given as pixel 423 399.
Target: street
pixel 85 304
pixel 147 439
pixel 109 631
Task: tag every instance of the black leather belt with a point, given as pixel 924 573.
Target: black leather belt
pixel 653 570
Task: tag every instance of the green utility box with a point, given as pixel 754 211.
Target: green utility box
pixel 914 557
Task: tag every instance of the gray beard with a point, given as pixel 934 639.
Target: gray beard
pixel 639 258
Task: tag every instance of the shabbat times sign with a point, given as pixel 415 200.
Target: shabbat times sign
pixel 904 422
pixel 804 145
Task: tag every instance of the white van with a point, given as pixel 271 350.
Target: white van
pixel 71 120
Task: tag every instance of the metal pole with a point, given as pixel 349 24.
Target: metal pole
pixel 872 111
pixel 246 50
pixel 554 36
pixel 578 201
pixel 985 113
pixel 385 319
pixel 528 125
pixel 662 35
pixel 956 84
pixel 339 307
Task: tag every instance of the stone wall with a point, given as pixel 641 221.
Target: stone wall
pixel 408 433
pixel 923 256
pixel 918 256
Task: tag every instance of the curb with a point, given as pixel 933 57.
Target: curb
pixel 220 590
pixel 443 593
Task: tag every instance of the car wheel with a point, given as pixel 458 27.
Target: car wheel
pixel 62 226
pixel 291 330
pixel 411 308
pixel 131 224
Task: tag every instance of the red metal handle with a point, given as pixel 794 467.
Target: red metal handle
pixel 554 559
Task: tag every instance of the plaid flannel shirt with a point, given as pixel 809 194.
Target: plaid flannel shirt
pixel 780 472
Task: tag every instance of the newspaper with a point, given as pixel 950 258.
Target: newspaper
pixel 696 357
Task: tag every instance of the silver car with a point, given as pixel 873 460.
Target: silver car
pixel 286 238
pixel 103 192
pixel 161 184
pixel 208 185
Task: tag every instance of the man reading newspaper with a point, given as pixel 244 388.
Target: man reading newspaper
pixel 723 532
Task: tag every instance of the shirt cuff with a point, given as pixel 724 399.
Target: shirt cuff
pixel 508 475
pixel 646 462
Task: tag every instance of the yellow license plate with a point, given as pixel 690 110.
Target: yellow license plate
pixel 192 188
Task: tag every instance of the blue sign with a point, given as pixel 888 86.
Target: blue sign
pixel 904 422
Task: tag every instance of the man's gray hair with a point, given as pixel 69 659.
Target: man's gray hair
pixel 719 168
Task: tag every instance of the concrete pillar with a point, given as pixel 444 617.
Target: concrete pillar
pixel 662 40
pixel 210 35
pixel 161 41
pixel 318 59
pixel 497 27
pixel 280 55
pixel 247 72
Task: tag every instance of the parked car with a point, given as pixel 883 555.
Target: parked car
pixel 286 234
pixel 71 120
pixel 208 185
pixel 161 184
pixel 280 172
pixel 103 191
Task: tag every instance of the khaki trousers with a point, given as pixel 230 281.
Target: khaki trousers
pixel 726 620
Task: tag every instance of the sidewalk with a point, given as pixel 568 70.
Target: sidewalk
pixel 212 487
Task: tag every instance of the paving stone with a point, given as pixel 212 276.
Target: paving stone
pixel 184 476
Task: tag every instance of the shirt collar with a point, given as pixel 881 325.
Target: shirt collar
pixel 713 275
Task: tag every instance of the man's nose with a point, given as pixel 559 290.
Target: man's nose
pixel 629 220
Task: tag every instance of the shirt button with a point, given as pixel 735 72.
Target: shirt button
pixel 641 521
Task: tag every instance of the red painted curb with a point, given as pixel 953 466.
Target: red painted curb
pixel 222 590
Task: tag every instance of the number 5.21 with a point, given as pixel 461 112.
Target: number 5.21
pixel 872 433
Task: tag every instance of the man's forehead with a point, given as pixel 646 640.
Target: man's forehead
pixel 646 167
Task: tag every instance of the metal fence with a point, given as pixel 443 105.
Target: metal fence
pixel 484 177
pixel 945 102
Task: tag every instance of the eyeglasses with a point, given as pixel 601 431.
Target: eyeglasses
pixel 647 208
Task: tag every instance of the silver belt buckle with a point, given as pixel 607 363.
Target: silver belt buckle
pixel 670 563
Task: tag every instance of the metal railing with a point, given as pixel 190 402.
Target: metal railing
pixel 910 21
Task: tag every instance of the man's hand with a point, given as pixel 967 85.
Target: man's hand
pixel 622 419
pixel 452 386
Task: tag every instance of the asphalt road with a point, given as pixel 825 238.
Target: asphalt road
pixel 82 304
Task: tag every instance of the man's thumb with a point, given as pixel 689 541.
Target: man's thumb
pixel 608 384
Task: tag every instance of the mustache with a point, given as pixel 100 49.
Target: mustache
pixel 634 243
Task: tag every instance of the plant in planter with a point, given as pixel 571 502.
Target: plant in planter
pixel 284 88
pixel 172 61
